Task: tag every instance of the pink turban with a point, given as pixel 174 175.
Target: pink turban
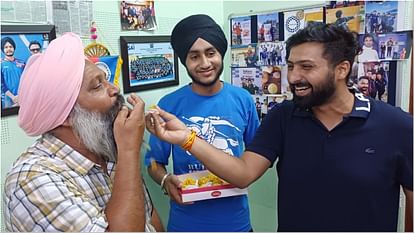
pixel 50 85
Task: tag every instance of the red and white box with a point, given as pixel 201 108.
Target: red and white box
pixel 195 193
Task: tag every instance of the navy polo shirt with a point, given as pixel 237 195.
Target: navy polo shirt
pixel 346 179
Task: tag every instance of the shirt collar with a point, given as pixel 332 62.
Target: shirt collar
pixel 362 106
pixel 71 157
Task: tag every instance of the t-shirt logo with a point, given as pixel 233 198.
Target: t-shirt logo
pixel 364 104
pixel 213 130
pixel 370 150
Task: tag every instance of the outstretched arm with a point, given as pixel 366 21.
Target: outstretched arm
pixel 238 171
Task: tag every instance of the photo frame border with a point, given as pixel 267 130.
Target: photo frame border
pixel 26 29
pixel 124 42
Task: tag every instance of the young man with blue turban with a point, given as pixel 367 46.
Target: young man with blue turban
pixel 224 116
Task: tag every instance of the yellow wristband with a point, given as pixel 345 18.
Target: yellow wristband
pixel 189 142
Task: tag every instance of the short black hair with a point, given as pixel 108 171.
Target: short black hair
pixel 368 35
pixel 363 77
pixel 35 42
pixel 5 40
pixel 339 44
pixel 338 14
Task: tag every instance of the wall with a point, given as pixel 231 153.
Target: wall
pixel 263 192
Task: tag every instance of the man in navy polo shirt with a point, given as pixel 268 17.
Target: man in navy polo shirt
pixel 341 157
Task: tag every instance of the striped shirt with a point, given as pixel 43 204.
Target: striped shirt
pixel 52 187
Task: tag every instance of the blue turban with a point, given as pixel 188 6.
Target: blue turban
pixel 7 40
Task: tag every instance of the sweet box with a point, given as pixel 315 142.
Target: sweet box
pixel 204 185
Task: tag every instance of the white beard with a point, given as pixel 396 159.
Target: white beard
pixel 95 129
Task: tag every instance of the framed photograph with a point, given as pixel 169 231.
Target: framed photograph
pixel 271 80
pixel 18 43
pixel 244 56
pixel 268 27
pixel 395 45
pixel 138 15
pixel 271 54
pixel 378 80
pixel 381 16
pixel 149 62
pixel 370 47
pixel 241 31
pixel 347 15
pixel 295 20
pixel 247 78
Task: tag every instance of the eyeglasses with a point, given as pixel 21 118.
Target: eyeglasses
pixel 35 50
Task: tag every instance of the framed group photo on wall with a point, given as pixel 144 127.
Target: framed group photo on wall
pixel 18 43
pixel 149 62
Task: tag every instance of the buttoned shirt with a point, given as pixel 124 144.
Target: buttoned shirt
pixel 52 187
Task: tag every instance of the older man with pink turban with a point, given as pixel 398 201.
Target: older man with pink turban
pixel 66 181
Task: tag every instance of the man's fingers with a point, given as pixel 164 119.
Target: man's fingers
pixel 158 123
pixel 122 115
pixel 166 116
pixel 176 181
pixel 133 99
pixel 138 110
pixel 153 117
pixel 149 123
pixel 154 123
pixel 175 194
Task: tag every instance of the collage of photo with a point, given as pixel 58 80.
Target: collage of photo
pixel 258 53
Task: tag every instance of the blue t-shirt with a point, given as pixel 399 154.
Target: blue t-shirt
pixel 10 77
pixel 226 120
pixel 346 179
